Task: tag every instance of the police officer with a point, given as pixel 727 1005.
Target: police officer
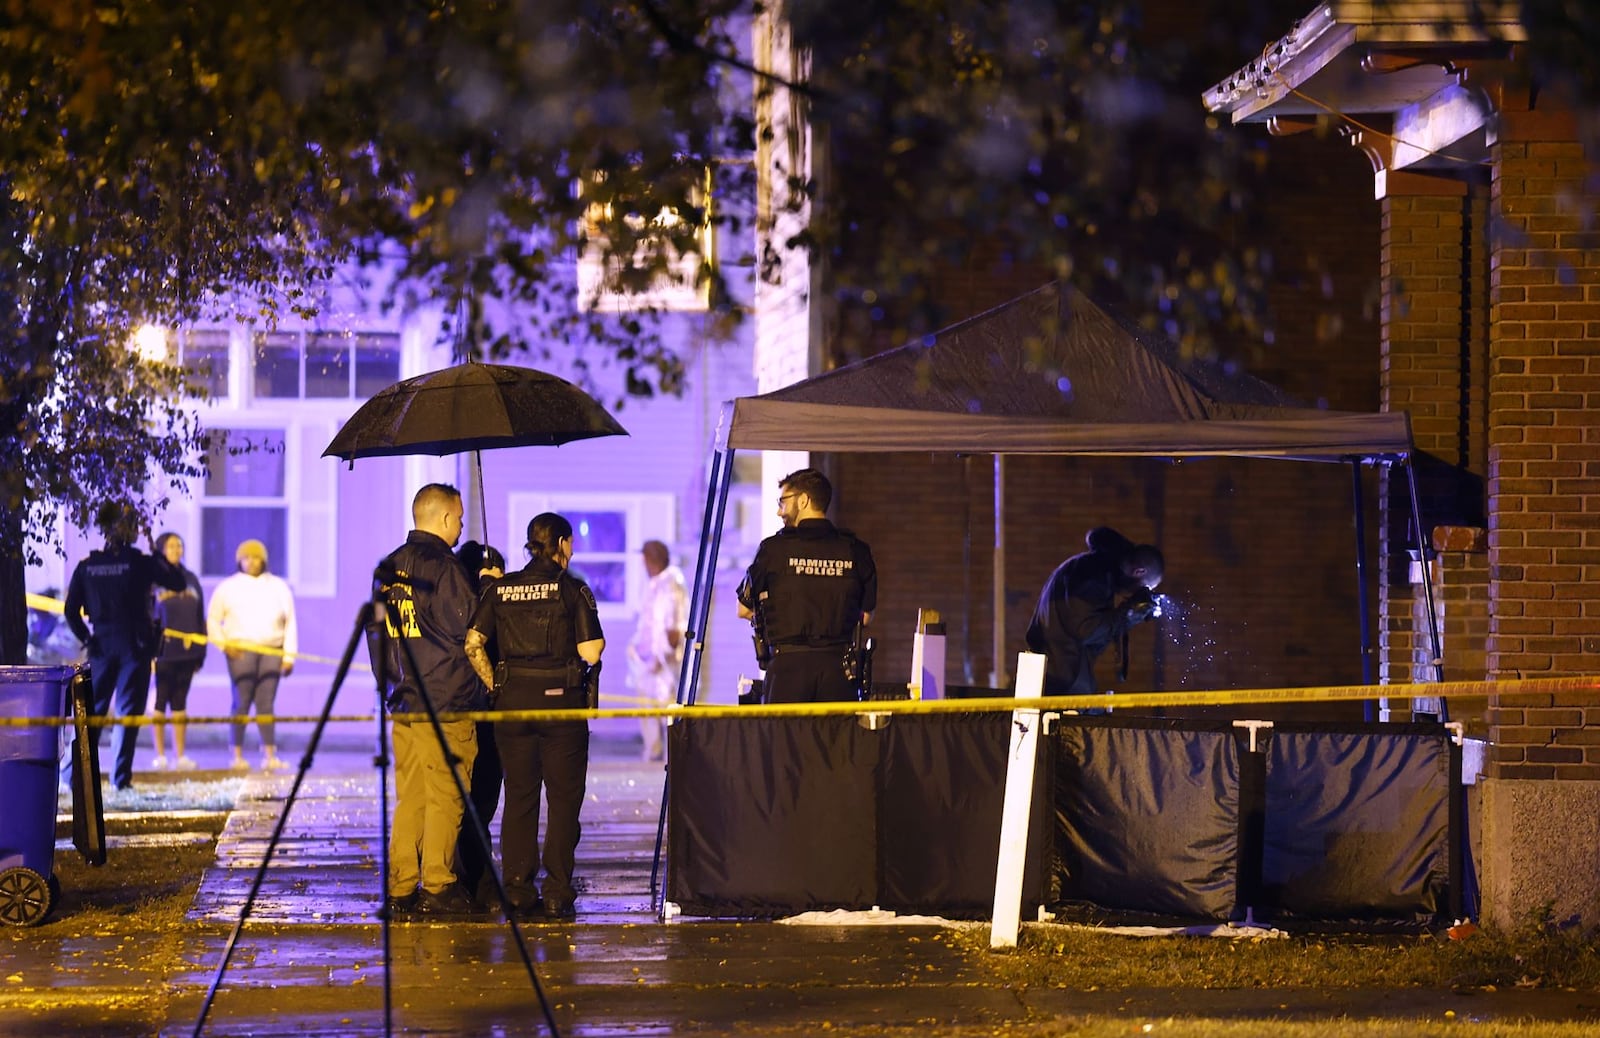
pixel 112 589
pixel 809 586
pixel 1090 600
pixel 546 628
pixel 431 598
pixel 485 565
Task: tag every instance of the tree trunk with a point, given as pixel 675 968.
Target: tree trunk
pixel 13 592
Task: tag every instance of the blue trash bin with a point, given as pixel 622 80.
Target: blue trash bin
pixel 28 758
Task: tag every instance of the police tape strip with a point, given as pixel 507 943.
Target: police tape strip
pixel 53 605
pixel 1051 704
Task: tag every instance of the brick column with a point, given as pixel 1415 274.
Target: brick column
pixel 1434 351
pixel 1461 604
pixel 1542 800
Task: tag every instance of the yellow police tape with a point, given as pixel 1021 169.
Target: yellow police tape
pixel 54 605
pixel 1119 700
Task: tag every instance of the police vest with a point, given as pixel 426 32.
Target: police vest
pixel 813 590
pixel 531 621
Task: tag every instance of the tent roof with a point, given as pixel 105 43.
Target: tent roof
pixel 1050 373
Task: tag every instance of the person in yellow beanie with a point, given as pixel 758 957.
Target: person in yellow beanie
pixel 252 619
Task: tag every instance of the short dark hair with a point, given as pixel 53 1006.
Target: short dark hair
pixel 434 495
pixel 545 531
pixel 118 520
pixel 812 484
pixel 656 552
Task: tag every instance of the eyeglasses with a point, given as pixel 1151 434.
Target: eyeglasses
pixel 787 497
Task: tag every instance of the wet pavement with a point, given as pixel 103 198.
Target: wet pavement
pixel 311 959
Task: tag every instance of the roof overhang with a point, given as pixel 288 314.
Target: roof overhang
pixel 1403 58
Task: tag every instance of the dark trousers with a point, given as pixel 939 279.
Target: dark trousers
pixel 173 679
pixel 554 755
pixel 121 677
pixel 487 775
pixel 803 675
pixel 255 683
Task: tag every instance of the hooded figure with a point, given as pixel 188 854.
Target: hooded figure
pixel 1089 601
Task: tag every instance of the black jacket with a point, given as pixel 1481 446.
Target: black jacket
pixel 435 598
pixel 1080 612
pixel 182 611
pixel 112 589
pixel 817 581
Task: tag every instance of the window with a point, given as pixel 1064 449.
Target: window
pixel 203 355
pixel 600 552
pixel 607 532
pixel 244 497
pixel 323 365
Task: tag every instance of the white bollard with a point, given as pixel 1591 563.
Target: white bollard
pixel 927 657
pixel 1019 800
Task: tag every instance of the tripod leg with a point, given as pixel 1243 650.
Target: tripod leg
pixel 470 813
pixel 277 831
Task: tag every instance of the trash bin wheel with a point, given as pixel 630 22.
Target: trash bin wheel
pixel 25 897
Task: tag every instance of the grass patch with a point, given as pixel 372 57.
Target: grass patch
pixel 1059 956
pixel 149 885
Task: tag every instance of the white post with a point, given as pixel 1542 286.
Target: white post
pixel 927 657
pixel 1014 819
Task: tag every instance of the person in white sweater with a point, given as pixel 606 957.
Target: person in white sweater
pixel 252 620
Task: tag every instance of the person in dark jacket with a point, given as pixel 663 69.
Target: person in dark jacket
pixel 111 591
pixel 485 565
pixel 433 597
pixel 1089 601
pixel 809 586
pixel 181 615
pixel 546 627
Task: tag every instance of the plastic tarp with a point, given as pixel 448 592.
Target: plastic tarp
pixel 1356 825
pixel 1051 372
pixel 1147 818
pixel 777 816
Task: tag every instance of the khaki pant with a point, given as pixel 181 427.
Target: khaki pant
pixel 427 815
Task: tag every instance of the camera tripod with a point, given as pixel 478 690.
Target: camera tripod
pixel 370 619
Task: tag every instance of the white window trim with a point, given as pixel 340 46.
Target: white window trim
pixel 649 516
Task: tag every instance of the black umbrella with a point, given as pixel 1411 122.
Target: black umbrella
pixel 471 407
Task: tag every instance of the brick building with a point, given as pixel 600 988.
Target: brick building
pixel 1491 340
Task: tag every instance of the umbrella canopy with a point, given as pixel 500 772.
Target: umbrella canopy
pixel 471 407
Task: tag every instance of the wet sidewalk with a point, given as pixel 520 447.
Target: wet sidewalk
pixel 325 869
pixel 311 960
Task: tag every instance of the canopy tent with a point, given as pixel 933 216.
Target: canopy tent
pixel 1050 372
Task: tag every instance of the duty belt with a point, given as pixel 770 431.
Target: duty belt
pixel 783 647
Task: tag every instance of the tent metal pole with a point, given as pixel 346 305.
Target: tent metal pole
pixel 705 573
pixel 998 678
pixel 1425 555
pixel 1358 498
pixel 705 569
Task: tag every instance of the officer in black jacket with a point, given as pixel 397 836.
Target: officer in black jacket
pixel 1090 600
pixel 431 599
pixel 485 565
pixel 811 583
pixel 112 589
pixel 546 628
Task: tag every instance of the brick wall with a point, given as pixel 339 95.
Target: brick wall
pixel 1433 356
pixel 1544 447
